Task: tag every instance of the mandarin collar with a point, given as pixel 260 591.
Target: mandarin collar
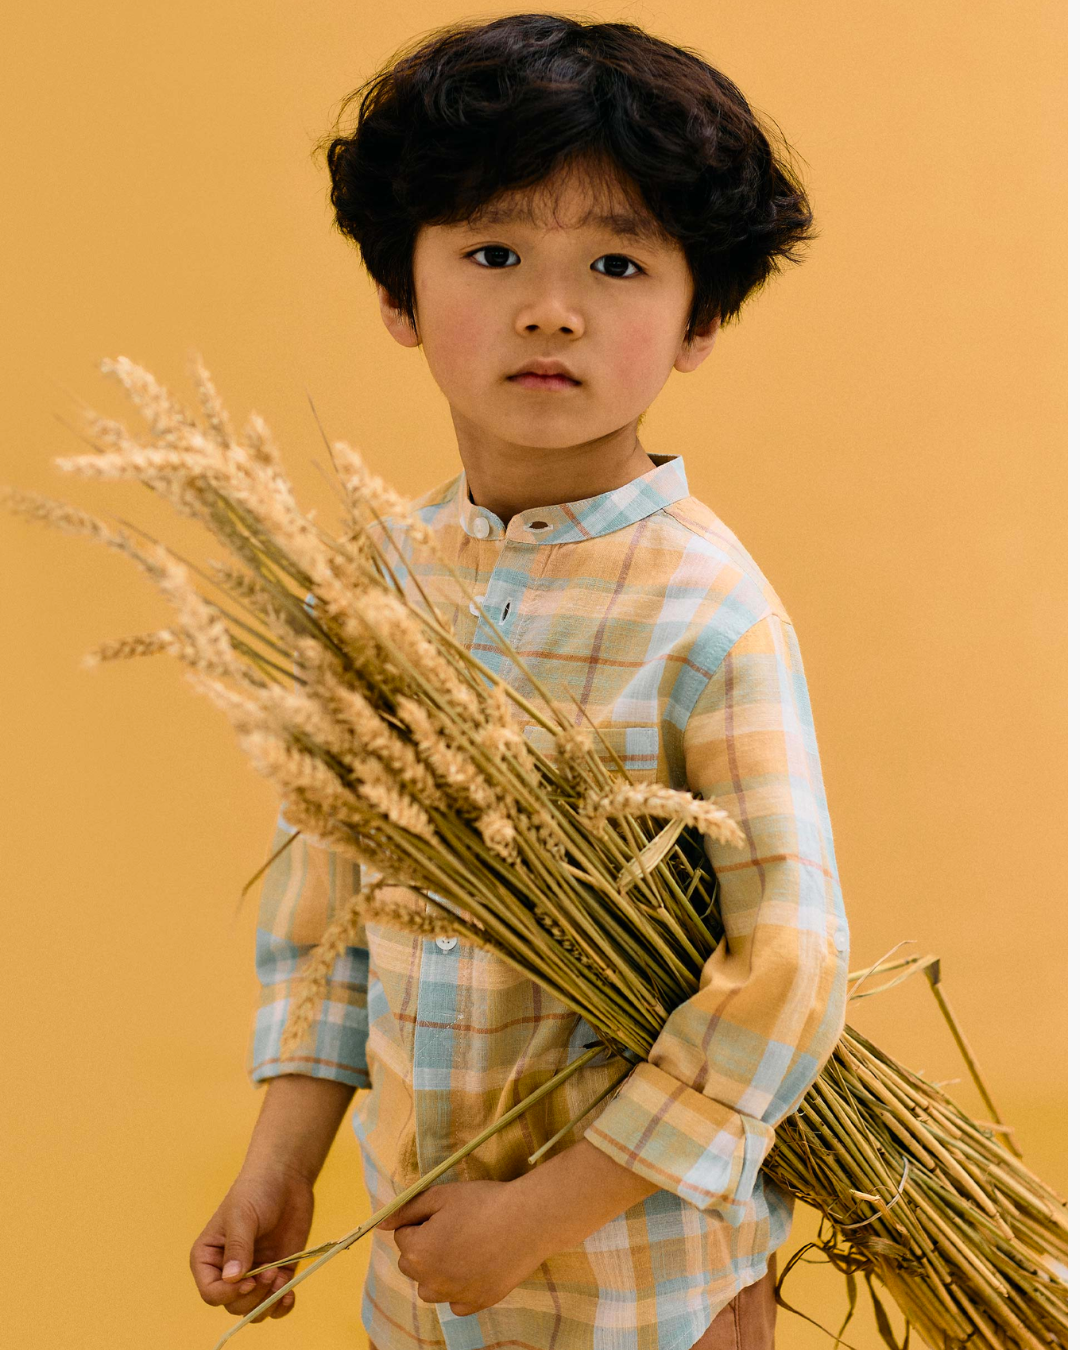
pixel 585 519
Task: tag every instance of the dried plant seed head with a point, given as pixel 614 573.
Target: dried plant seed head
pixel 373 735
pixel 62 516
pixel 500 709
pixel 140 644
pixel 105 434
pixel 320 964
pixel 497 831
pixel 372 499
pixel 312 820
pixel 198 622
pixel 245 713
pixel 395 628
pixel 454 769
pixel 258 600
pixel 257 438
pixel 538 821
pixel 381 793
pixel 162 413
pixel 574 744
pixel 291 768
pixel 213 407
pixel 664 803
pixel 501 741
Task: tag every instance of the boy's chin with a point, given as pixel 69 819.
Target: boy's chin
pixel 567 434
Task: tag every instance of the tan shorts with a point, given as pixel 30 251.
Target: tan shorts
pixel 749 1320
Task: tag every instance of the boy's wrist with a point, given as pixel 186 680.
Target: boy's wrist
pixel 299 1118
pixel 567 1198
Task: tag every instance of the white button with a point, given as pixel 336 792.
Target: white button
pixel 473 609
pixel 481 527
pixel 446 944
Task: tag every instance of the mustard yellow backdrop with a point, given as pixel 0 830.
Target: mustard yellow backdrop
pixel 884 430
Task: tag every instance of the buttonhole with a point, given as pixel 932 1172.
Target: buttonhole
pixel 540 525
pixel 506 611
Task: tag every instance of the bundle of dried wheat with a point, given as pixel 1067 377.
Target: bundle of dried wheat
pixel 391 744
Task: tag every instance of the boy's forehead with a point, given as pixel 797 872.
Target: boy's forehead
pixel 574 203
pixel 626 223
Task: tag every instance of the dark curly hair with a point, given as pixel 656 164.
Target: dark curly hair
pixel 474 110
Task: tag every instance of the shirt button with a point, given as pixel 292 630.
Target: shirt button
pixel 446 944
pixel 481 527
pixel 473 610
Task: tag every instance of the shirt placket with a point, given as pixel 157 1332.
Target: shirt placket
pixel 437 1011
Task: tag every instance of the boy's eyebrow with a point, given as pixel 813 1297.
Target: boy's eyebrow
pixel 628 225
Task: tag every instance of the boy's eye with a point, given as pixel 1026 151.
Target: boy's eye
pixel 499 258
pixel 499 253
pixel 617 265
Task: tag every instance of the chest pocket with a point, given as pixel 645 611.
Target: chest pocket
pixel 637 748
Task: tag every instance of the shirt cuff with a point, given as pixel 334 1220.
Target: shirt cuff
pixel 336 1042
pixel 683 1141
pixel 331 1050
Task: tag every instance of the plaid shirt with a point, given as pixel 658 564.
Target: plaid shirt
pixel 646 608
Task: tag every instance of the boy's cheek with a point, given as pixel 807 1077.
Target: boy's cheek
pixel 639 360
pixel 631 386
pixel 460 357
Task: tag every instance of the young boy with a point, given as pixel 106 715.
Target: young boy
pixel 560 214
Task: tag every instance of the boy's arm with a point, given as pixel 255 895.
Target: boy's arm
pixel 698 1117
pixel 267 1211
pixel 297 1124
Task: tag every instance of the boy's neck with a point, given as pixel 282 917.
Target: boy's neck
pixel 507 479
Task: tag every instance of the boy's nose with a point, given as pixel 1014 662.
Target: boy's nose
pixel 550 314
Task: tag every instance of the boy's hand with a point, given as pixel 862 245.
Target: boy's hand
pixel 265 1215
pixel 466 1243
pixel 470 1242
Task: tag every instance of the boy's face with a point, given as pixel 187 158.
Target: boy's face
pixel 569 286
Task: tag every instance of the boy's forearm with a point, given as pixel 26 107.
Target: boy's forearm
pixel 568 1197
pixel 299 1118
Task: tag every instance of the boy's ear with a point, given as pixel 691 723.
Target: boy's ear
pixel 692 353
pixel 397 324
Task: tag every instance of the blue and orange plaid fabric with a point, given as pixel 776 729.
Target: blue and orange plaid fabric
pixel 644 607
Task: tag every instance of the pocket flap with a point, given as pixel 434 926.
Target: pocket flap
pixel 637 748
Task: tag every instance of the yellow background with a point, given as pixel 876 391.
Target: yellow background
pixel 884 430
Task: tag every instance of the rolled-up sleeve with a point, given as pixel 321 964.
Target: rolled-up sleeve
pixel 699 1116
pixel 300 893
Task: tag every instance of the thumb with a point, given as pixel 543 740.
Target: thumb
pixel 239 1245
pixel 416 1210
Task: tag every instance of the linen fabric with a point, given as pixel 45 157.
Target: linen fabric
pixel 748 1322
pixel 641 605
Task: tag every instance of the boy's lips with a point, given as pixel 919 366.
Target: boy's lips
pixel 530 380
pixel 544 372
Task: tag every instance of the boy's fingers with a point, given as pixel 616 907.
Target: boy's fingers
pixel 280 1309
pixel 206 1261
pixel 419 1208
pixel 238 1249
pixel 240 1306
pixel 266 1293
pixel 282 1306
